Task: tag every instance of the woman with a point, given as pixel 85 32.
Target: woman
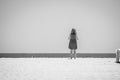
pixel 73 43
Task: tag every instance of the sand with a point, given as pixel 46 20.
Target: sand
pixel 59 69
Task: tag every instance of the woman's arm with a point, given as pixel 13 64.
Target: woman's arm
pixel 76 37
pixel 69 37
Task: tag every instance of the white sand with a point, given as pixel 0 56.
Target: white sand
pixel 59 69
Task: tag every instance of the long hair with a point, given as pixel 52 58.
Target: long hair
pixel 73 31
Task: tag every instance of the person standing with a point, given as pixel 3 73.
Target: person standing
pixel 73 43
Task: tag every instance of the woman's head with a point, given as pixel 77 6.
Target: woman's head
pixel 73 31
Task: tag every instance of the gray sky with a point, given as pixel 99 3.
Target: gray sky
pixel 44 25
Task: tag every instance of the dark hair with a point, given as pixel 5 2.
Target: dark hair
pixel 73 31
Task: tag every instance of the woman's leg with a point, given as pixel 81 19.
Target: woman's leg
pixel 74 54
pixel 71 54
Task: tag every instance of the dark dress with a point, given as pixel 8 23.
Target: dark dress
pixel 73 42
